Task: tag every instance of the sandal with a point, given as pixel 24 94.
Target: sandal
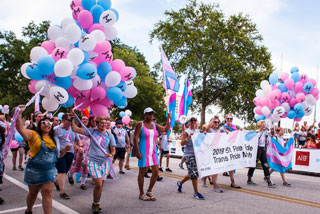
pixel 143 197
pixel 152 198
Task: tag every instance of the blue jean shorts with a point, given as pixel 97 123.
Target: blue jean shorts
pixel 63 164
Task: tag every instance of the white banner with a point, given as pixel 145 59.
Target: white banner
pixel 307 160
pixel 221 152
pixel 175 148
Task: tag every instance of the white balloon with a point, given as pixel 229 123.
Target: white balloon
pixel 49 105
pixel 66 22
pixel 87 42
pixel 279 111
pixel 54 32
pixel 130 92
pixel 286 106
pixel 108 18
pixel 36 53
pixel 308 110
pixel 99 35
pixel 267 90
pixel 63 68
pixel 110 33
pixel 265 111
pixel 23 69
pixel 62 42
pixel 183 119
pixel 76 56
pixel 92 55
pixel 310 100
pixel 82 85
pixel 260 93
pixel 292 93
pixel 96 81
pixel 73 33
pixel 73 75
pixel 128 112
pixel 264 83
pixel 113 78
pixel 40 84
pixel 274 118
pixel 58 94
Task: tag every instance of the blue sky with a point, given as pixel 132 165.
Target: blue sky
pixel 290 28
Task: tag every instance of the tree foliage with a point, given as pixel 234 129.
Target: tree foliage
pixel 222 56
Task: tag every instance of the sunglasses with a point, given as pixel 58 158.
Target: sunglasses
pixel 150 113
pixel 193 120
pixel 46 123
pixel 216 122
pixel 68 120
pixel 229 118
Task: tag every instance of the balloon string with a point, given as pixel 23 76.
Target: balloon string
pixel 56 111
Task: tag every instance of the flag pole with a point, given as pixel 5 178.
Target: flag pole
pixel 315 107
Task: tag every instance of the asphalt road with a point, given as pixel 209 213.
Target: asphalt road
pixel 121 195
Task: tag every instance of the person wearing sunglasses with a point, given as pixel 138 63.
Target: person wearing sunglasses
pixel 40 168
pixel 67 141
pixel 190 159
pixel 145 136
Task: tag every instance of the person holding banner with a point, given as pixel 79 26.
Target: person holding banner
pixel 261 154
pixel 190 159
pixel 145 136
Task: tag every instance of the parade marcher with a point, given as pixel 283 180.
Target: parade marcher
pixel 279 138
pixel 80 162
pixel 229 127
pixel 302 136
pixel 40 168
pixel 16 147
pixel 146 133
pixel 122 144
pixel 37 116
pixel 296 130
pixel 130 130
pixel 184 127
pixel 2 140
pixel 56 121
pixel 261 154
pixel 92 122
pixel 65 139
pixel 164 148
pixel 190 159
pixel 98 156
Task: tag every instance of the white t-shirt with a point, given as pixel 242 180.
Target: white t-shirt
pixel 263 136
pixel 164 142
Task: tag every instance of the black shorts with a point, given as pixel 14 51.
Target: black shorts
pixel 63 164
pixel 164 152
pixel 120 153
pixel 15 149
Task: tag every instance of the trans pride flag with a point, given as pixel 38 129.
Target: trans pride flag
pixel 279 157
pixel 186 99
pixel 171 108
pixel 170 80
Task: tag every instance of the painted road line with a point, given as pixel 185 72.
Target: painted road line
pixel 55 204
pixel 18 209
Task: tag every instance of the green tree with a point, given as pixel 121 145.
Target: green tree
pixel 222 56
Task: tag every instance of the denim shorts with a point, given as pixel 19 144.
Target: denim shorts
pixel 39 174
pixel 63 164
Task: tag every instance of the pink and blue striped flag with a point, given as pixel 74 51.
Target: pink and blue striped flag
pixel 186 99
pixel 170 80
pixel 171 108
pixel 279 157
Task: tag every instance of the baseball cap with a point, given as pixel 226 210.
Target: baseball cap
pixel 147 110
pixel 119 122
pixel 191 116
pixel 38 112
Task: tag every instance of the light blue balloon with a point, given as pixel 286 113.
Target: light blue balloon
pixel 116 12
pixel 260 117
pixel 96 11
pixel 46 65
pixel 86 58
pixel 87 71
pixel 34 72
pixel 291 114
pixel 122 102
pixel 103 69
pixel 114 94
pixel 69 103
pixel 273 78
pixel 122 85
pixel 122 114
pixel 300 115
pixel 64 82
pixel 282 88
pixel 18 137
pixel 60 116
pixel 294 69
pixel 299 110
pixel 134 73
pixel 87 4
pixel 106 4
pixel 295 76
pixel 307 87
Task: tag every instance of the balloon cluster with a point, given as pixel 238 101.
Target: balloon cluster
pixel 125 116
pixel 77 64
pixel 4 109
pixel 286 96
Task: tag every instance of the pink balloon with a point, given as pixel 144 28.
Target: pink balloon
pixel 317 97
pixel 256 101
pixel 300 97
pixel 75 3
pixel 265 101
pixel 104 57
pixel 126 73
pixel 315 92
pixel 285 97
pixel 85 19
pixel 49 46
pixel 98 93
pixel 126 119
pixel 99 110
pixel 257 110
pixel 274 87
pixel 289 83
pixel 32 86
pixel 5 107
pixel 59 53
pixel 312 81
pixel 273 95
pixel 284 76
pixel 102 47
pixel 113 124
pixel 297 119
pixel 106 102
pixel 279 94
pixel 284 115
pixel 303 78
pixel 96 27
pixel 274 104
pixel 293 101
pixel 117 65
pixel 75 12
pixel 298 87
pixel 85 103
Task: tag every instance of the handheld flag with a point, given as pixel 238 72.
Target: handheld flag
pixel 170 80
